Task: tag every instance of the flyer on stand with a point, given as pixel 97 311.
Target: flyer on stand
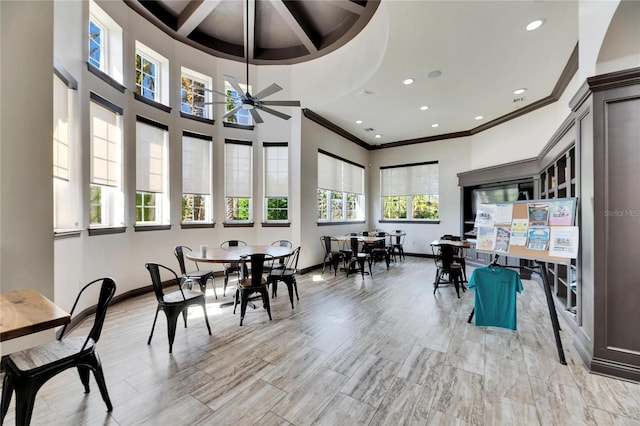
pixel 561 213
pixel 502 239
pixel 486 238
pixel 538 214
pixel 519 229
pixel 504 213
pixel 538 238
pixel 564 241
pixel 485 215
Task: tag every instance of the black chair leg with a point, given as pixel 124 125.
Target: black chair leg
pixel 295 286
pixel 83 372
pixel 153 326
pixel 206 318
pixel 265 299
pixel 7 391
pixel 172 321
pixel 24 404
pixel 243 305
pixel 99 376
pixel 290 289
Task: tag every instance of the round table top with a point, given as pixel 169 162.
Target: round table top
pixel 235 254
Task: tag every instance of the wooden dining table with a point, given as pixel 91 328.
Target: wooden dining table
pixel 27 311
pixel 236 254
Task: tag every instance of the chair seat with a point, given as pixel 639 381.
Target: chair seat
pixel 48 353
pixel 176 296
pixel 199 274
pixel 246 282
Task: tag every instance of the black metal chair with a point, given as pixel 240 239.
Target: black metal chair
pixel 380 251
pixel 281 243
pixel 26 371
pixel 458 254
pixel 201 277
pixel 175 303
pixel 355 263
pixel 286 275
pixel 334 257
pixel 257 283
pixel 397 244
pixel 231 267
pixel 447 266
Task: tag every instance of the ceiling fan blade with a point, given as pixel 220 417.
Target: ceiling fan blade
pixel 215 91
pixel 215 103
pixel 270 90
pixel 256 116
pixel 273 112
pixel 281 103
pixel 234 83
pixel 233 111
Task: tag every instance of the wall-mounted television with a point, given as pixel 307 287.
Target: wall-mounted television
pixel 499 194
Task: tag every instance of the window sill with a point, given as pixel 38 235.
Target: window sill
pixel 196 118
pixel 143 228
pixel 238 224
pixel 425 221
pixel 149 102
pixel 197 225
pixel 346 222
pixel 107 230
pixel 106 78
pixel 61 234
pixel 237 126
pixel 276 224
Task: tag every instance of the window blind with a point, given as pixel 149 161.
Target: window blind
pixel 338 175
pixel 106 146
pixel 276 166
pixel 420 179
pixel 196 166
pixel 238 169
pixel 150 146
pixel 60 129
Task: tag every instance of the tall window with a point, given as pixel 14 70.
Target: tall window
pixel 196 178
pixel 106 196
pixel 340 189
pixel 194 88
pixel 97 37
pixel 151 173
pixel 152 71
pixel 238 160
pixel 242 116
pixel 410 192
pixel 105 43
pixel 65 181
pixel 276 181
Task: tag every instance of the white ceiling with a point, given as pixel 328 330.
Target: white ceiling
pixel 483 52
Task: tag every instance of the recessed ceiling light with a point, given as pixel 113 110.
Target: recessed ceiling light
pixel 519 91
pixel 434 74
pixel 424 108
pixel 408 81
pixel 435 125
pixel 534 25
pixel 479 117
pixel 358 121
pixel 378 136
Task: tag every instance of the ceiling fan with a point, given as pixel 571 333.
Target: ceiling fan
pixel 250 102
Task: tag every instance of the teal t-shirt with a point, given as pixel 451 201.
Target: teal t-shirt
pixel 496 289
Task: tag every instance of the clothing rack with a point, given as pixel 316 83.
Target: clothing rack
pixel 540 269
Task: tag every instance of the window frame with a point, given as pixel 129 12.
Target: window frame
pixel 237 101
pixel 102 45
pixel 336 205
pixel 278 197
pixel 112 53
pixel 162 201
pixel 409 200
pixel 207 198
pixel 207 82
pixel 233 202
pixel 161 79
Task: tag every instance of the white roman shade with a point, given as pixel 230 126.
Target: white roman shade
pixel 338 175
pixel 418 179
pixel 276 166
pixel 150 157
pixel 238 169
pixel 196 165
pixel 60 129
pixel 106 146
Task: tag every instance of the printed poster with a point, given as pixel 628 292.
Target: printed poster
pixel 486 239
pixel 538 238
pixel 485 216
pixel 503 234
pixel 561 213
pixel 504 213
pixel 564 241
pixel 519 228
pixel 538 214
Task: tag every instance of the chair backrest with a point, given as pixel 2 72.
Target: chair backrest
pixel 178 251
pixel 107 290
pixel 365 233
pixel 233 243
pixel 156 280
pixel 399 238
pixel 261 263
pixel 292 260
pixel 282 243
pixel 325 240
pixel 381 243
pixel 446 256
pixel 355 245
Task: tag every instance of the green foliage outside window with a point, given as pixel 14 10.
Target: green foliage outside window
pixel 277 208
pixel 337 205
pixel 95 209
pixel 421 207
pixel 145 207
pixel 193 207
pixel 238 208
pixel 425 206
pixel 322 205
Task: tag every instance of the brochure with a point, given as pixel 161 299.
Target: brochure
pixel 561 213
pixel 519 229
pixel 502 239
pixel 485 215
pixel 504 213
pixel 486 239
